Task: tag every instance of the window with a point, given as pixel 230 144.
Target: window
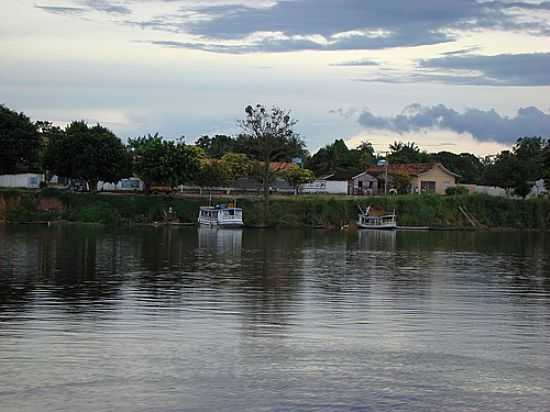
pixel 427 186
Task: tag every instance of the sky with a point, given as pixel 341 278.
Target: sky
pixel 456 75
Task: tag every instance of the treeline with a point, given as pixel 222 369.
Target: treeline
pixel 94 153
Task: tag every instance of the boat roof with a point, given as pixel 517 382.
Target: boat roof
pixel 212 208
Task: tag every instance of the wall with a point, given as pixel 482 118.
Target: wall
pixel 23 180
pixel 441 178
pixel 326 186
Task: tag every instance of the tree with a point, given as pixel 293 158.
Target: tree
pixel 87 153
pixel 159 161
pixel 400 182
pixel 519 168
pixel 212 173
pixel 269 136
pixel 546 166
pixel 20 143
pixel 296 176
pixel 238 165
pixel 469 167
pixel 336 157
pixel 216 146
pixel 407 153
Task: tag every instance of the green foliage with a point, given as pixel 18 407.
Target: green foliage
pixel 466 165
pixel 407 153
pixel 215 147
pixel 213 173
pixel 400 182
pixel 158 161
pixel 269 136
pixel 20 143
pixel 238 165
pixel 456 191
pixel 337 157
pixel 88 153
pixel 519 168
pixel 546 167
pixel 296 176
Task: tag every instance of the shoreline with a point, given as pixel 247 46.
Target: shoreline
pixel 415 212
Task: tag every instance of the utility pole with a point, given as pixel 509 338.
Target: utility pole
pixel 386 178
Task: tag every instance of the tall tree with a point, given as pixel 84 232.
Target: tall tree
pixel 407 153
pixel 87 153
pixel 159 161
pixel 268 135
pixel 215 147
pixel 212 173
pixel 469 167
pixel 20 143
pixel 546 166
pixel 238 165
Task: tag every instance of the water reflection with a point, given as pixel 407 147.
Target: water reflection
pixel 288 320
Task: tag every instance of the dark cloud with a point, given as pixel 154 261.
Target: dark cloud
pixel 483 125
pixel 292 25
pixel 84 6
pixel 528 69
pixel 62 9
pixel 357 63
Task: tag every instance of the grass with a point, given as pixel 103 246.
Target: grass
pixel 290 211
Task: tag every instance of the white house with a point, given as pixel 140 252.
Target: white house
pixel 132 184
pixel 23 180
pixel 333 184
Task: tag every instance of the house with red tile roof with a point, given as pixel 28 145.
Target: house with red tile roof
pixel 424 177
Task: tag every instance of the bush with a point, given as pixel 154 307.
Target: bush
pixel 456 191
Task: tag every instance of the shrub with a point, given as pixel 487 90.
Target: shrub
pixel 456 191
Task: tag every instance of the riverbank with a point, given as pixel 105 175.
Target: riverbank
pixel 469 211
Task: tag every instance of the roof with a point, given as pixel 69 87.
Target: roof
pixel 411 169
pixel 362 174
pixel 338 176
pixel 279 166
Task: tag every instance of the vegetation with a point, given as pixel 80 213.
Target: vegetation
pixel 88 153
pixel 159 161
pixel 20 143
pixel 296 176
pixel 336 157
pixel 292 211
pixel 268 137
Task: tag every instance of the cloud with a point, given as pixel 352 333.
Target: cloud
pixel 238 26
pixel 528 69
pixel 357 63
pixel 62 9
pixel 85 6
pixel 483 125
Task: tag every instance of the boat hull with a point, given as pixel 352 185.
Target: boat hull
pixel 377 227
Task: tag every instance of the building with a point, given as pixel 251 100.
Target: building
pixel 364 184
pixel 334 183
pixel 22 180
pixel 424 177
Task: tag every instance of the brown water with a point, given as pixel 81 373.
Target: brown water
pixel 159 319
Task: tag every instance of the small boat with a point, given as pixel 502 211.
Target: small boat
pixel 368 220
pixel 221 215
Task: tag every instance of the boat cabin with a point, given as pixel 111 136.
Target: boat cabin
pixel 221 215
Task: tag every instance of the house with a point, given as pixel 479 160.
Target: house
pixel 424 177
pixel 364 184
pixel 131 184
pixel 22 180
pixel 538 189
pixel 334 183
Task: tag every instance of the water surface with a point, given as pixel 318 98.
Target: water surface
pixel 187 319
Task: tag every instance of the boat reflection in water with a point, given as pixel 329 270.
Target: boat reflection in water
pixel 221 241
pixel 377 239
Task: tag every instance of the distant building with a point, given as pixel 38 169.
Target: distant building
pixel 334 183
pixel 364 184
pixel 22 180
pixel 424 177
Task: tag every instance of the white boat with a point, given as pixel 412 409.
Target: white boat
pixel 221 215
pixel 384 222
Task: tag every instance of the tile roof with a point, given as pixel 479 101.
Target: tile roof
pixel 411 169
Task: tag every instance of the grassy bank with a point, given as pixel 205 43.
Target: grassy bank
pixel 301 211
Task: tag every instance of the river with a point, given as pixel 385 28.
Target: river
pixel 188 319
